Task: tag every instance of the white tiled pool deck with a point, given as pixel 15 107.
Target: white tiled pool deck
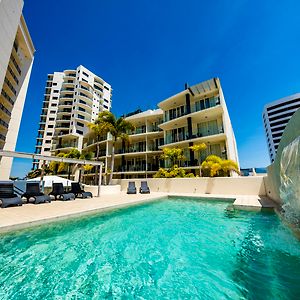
pixel 14 218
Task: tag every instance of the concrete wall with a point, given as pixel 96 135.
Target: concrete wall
pixel 273 182
pixel 219 185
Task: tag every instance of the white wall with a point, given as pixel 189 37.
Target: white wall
pixel 205 185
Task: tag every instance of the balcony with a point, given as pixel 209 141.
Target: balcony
pixel 175 138
pixel 93 141
pixel 66 103
pixel 132 149
pixel 63 119
pixel 199 105
pixel 137 168
pixel 65 110
pixel 65 145
pixel 67 90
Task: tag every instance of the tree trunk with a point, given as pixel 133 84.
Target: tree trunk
pixel 69 171
pixel 112 162
pixel 200 172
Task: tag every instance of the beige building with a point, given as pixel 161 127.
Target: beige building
pixel 16 58
pixel 198 114
pixel 72 99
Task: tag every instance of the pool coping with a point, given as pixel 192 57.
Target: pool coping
pixel 24 216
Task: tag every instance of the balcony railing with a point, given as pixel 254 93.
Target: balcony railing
pixel 6 96
pixel 198 134
pixel 131 149
pixel 197 106
pixel 137 168
pixel 64 145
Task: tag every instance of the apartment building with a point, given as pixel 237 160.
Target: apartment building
pixel 136 158
pixel 276 115
pixel 198 114
pixel 72 100
pixel 16 59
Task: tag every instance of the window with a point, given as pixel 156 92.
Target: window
pixel 50 126
pixel 54 104
pixel 47 149
pixel 105 106
pixel 51 119
pixel 80 124
pixel 49 133
pixel 48 141
pixel 56 91
pixel 106 88
pixel 84 80
pixel 87 75
pixel 55 98
pixel 52 111
pixel 79 131
pixel 54 83
pixel 106 100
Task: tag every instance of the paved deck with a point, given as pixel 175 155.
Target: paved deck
pixel 28 215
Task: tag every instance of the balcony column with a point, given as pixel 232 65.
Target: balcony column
pixel 190 127
pixel 123 164
pixel 192 156
pixel 188 103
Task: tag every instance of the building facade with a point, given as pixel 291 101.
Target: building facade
pixel 276 115
pixel 196 115
pixel 16 59
pixel 72 100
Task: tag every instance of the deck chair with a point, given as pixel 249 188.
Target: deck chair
pixel 77 190
pixel 33 191
pixel 59 193
pixel 7 195
pixel 144 189
pixel 131 188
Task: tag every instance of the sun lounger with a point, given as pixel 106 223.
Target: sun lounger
pixel 131 188
pixel 59 193
pixel 7 195
pixel 144 189
pixel 33 191
pixel 77 190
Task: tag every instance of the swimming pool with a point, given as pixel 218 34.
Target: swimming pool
pixel 176 248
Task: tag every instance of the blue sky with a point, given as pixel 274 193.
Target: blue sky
pixel 147 50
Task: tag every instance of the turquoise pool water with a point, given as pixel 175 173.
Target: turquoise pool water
pixel 168 249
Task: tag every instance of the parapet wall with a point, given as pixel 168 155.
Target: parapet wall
pixel 273 181
pixel 219 185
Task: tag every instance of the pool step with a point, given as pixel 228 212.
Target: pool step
pixel 253 203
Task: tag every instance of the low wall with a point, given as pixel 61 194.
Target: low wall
pixel 104 190
pixel 219 185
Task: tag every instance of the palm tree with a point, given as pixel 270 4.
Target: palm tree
pixel 198 148
pixel 118 128
pixel 175 155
